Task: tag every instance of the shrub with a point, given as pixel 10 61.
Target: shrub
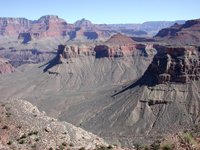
pixel 8 114
pixel 146 148
pixel 61 147
pixel 0 119
pixel 101 147
pixel 23 136
pixel 82 148
pixel 34 146
pixel 10 142
pixel 30 133
pixel 36 139
pixel 50 148
pixel 110 147
pixel 3 105
pixel 155 146
pixel 187 138
pixel 8 108
pixel 36 132
pixel 168 146
pixel 71 144
pixel 138 146
pixel 5 127
pixel 21 142
pixel 64 144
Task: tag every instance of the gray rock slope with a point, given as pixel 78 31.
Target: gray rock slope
pixel 147 108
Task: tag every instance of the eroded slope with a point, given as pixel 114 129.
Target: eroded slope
pixel 164 99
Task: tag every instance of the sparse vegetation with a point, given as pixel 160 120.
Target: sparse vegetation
pixel 37 139
pixel 187 138
pixel 33 132
pixel 7 108
pixel 61 147
pixel 34 146
pixel 8 114
pixel 82 148
pixel 65 133
pixel 3 105
pixel 146 148
pixel 21 142
pixel 155 146
pixel 5 127
pixel 110 147
pixel 138 146
pixel 30 133
pixel 24 136
pixel 36 132
pixel 101 147
pixel 71 144
pixel 64 144
pixel 168 146
pixel 10 142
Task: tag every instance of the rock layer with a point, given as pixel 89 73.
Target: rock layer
pixel 175 64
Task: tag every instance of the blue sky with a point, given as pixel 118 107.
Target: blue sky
pixel 103 11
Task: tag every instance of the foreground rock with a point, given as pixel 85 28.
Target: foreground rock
pixel 164 99
pixel 24 127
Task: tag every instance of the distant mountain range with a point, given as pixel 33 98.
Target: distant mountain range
pixel 151 27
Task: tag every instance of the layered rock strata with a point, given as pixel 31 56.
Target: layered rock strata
pixel 117 46
pixel 175 64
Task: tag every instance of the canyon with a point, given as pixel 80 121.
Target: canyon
pixel 102 81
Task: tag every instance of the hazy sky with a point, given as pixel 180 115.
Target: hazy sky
pixel 103 11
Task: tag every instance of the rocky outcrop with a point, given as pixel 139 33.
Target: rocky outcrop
pixel 23 126
pixel 6 67
pixel 175 64
pixel 186 34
